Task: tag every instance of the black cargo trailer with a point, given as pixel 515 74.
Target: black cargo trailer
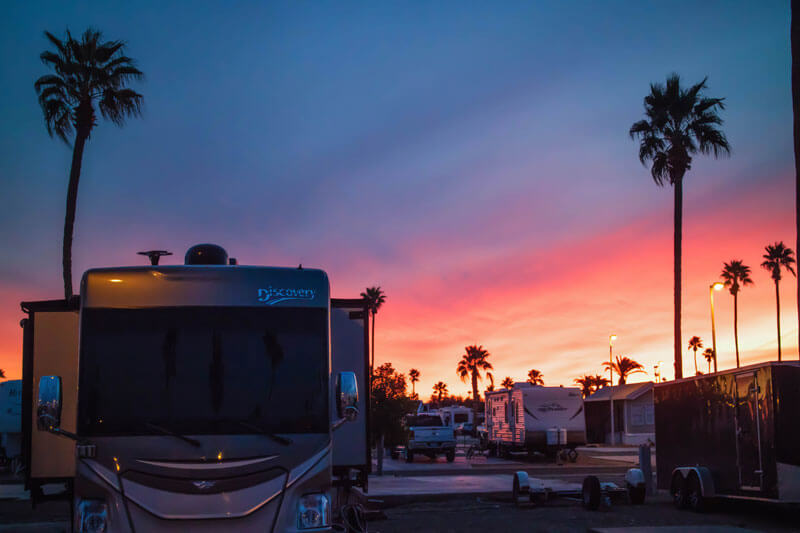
pixel 734 433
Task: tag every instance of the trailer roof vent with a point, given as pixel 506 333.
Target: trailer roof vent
pixel 206 254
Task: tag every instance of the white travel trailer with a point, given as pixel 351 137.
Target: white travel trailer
pixel 460 418
pixel 533 418
pixel 198 397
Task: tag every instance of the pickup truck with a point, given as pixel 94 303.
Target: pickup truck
pixel 428 435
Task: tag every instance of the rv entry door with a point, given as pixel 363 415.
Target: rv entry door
pixel 748 434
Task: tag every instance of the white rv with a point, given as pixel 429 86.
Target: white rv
pixel 460 418
pixel 198 397
pixel 533 418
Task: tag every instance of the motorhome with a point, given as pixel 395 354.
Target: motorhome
pixel 181 397
pixel 731 434
pixel 533 418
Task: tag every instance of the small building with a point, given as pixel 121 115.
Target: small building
pixel 634 422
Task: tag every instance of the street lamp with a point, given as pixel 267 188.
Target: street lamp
pixel 611 339
pixel 714 287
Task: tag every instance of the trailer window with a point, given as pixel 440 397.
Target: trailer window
pixel 459 418
pixel 203 370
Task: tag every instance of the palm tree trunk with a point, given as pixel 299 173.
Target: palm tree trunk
pixel 778 304
pixel 475 391
pixel 372 365
pixel 795 39
pixel 695 361
pixel 736 326
pixel 709 366
pixel 69 217
pixel 678 185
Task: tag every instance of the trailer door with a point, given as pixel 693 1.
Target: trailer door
pixel 748 433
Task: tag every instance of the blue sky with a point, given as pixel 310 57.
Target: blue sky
pixel 413 145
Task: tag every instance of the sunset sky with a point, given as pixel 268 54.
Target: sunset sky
pixel 470 158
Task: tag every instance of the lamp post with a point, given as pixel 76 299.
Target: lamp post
pixel 611 339
pixel 714 287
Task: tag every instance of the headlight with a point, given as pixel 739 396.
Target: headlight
pixel 313 510
pixel 92 516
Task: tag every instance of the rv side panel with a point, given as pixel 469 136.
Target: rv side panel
pixel 695 425
pixel 349 352
pixel 55 352
pixel 786 389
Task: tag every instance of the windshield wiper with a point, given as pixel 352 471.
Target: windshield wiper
pixel 165 431
pixel 262 431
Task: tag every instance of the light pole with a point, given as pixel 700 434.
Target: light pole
pixel 611 339
pixel 714 287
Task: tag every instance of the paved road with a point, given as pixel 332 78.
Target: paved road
pixel 482 515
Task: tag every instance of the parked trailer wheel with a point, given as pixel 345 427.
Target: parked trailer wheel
pixel 694 494
pixel 591 493
pixel 572 455
pixel 521 488
pixel 636 494
pixel 636 485
pixel 677 489
pixel 451 455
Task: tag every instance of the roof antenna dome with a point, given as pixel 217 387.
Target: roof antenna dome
pixel 206 254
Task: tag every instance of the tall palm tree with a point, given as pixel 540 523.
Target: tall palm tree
pixel 600 381
pixel 535 377
pixel 375 298
pixel 708 353
pixel 795 48
pixel 736 275
pixel 680 123
pixel 778 256
pixel 88 73
pixel 695 343
pixel 471 365
pixel 624 367
pixel 413 377
pixel 440 388
pixel 587 385
pixel 490 377
pixel 507 383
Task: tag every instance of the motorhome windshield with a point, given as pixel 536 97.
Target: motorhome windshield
pixel 203 370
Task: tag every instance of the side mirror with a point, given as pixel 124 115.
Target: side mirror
pixel 48 405
pixel 347 396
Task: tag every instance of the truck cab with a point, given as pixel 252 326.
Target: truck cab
pixel 198 393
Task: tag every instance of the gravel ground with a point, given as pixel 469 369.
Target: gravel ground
pixel 480 515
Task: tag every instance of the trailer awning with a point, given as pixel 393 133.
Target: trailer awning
pixel 621 392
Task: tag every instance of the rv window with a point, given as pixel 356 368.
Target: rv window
pixel 459 418
pixel 203 370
